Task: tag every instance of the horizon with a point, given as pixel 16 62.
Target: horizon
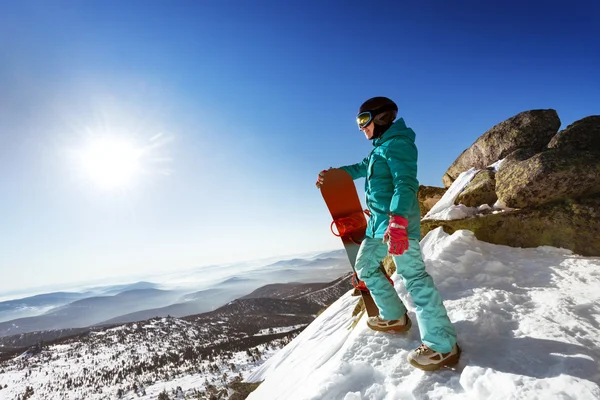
pixel 177 294
pixel 161 278
pixel 143 137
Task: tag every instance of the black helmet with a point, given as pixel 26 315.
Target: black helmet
pixel 382 109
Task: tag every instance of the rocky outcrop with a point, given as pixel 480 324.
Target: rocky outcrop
pixel 548 176
pixel 428 196
pixel 527 130
pixel 550 180
pixel 582 135
pixel 573 225
pixel 481 190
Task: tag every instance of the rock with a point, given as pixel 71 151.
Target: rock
pixel 527 130
pixel 518 155
pixel 428 196
pixel 548 176
pixel 389 265
pixel 481 190
pixel 582 135
pixel 572 224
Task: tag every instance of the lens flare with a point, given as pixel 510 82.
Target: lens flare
pixel 111 163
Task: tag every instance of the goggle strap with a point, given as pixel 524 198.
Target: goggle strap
pixel 374 114
pixel 377 111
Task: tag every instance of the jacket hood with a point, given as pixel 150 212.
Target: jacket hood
pixel 398 128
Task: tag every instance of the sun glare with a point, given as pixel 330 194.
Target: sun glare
pixel 111 163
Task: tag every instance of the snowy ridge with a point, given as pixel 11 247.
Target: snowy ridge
pixel 326 295
pixel 321 294
pixel 528 321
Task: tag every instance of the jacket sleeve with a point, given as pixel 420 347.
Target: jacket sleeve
pixel 358 170
pixel 402 157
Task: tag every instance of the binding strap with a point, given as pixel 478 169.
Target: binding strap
pixel 354 223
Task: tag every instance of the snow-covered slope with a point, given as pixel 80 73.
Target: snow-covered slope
pixel 201 356
pixel 528 322
pixel 139 360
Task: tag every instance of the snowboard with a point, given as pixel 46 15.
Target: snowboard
pixel 342 200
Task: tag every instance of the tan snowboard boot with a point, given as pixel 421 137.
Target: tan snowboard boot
pixel 399 325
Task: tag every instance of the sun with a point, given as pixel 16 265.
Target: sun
pixel 110 162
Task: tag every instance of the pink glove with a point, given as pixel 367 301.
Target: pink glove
pixel 396 235
pixel 321 178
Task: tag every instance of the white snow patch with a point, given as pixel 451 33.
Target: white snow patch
pixel 445 209
pixel 528 321
pixel 438 211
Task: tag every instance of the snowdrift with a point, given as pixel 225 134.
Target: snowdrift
pixel 528 321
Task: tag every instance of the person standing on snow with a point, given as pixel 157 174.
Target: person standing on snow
pixel 391 195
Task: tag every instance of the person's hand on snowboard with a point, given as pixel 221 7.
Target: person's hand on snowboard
pixel 321 177
pixel 396 235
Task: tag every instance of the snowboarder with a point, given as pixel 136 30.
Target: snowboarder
pixel 391 195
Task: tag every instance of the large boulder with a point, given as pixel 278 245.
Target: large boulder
pixel 481 190
pixel 428 196
pixel 516 156
pixel 548 176
pixel 528 130
pixel 573 225
pixel 582 135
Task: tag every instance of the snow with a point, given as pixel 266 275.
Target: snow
pixel 528 322
pixel 445 209
pixel 98 366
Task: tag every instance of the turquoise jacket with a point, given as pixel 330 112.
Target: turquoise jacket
pixel 391 180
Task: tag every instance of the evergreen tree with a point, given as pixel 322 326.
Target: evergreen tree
pixel 28 393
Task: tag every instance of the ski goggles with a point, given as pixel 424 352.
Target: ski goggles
pixel 364 118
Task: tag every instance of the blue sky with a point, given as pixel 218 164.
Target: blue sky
pixel 237 106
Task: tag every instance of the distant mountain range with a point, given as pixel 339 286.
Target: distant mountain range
pixel 270 306
pixel 36 305
pixel 89 311
pixel 189 304
pixel 117 304
pixel 138 358
pixel 40 304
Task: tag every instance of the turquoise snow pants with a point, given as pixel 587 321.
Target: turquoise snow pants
pixel 437 332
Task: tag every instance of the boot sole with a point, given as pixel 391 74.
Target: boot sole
pixel 395 328
pixel 448 362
